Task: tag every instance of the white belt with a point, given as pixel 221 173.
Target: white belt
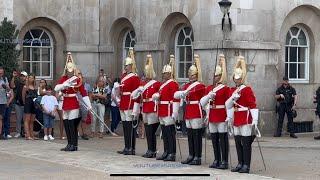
pixel 241 109
pixel 69 95
pixel 147 100
pixel 126 93
pixel 217 107
pixel 193 102
pixel 165 102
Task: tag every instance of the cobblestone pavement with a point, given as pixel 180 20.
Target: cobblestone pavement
pixel 285 159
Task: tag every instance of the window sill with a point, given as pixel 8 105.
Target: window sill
pixel 299 81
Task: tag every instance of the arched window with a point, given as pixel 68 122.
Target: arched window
pixel 129 41
pixel 38 53
pixel 183 51
pixel 297 55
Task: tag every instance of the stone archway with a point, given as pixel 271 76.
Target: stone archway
pixel 59 41
pixel 168 31
pixel 118 30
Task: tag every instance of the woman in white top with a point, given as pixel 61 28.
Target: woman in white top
pixel 115 101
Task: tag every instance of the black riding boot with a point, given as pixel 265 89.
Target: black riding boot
pixel 191 147
pixel 198 147
pixel 165 144
pixel 216 150
pixel 224 145
pixel 247 149
pixel 154 128
pixel 76 124
pixel 72 135
pixel 148 130
pixel 125 137
pixel 67 130
pixel 239 149
pixel 131 138
pixel 171 131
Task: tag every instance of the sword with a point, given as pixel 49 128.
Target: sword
pixel 258 134
pixel 39 123
pixel 98 117
pixel 178 140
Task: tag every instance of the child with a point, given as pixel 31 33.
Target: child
pixel 49 105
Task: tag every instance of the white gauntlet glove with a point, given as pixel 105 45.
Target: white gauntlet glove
pixel 255 116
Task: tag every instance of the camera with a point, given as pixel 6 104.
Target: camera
pixel 4 86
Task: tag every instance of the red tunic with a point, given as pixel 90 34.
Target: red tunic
pixel 193 110
pixel 126 87
pixel 70 100
pixel 148 106
pixel 166 95
pixel 218 115
pixel 248 100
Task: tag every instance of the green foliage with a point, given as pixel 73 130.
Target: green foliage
pixel 8 42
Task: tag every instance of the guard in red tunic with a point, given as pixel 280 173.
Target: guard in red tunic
pixel 241 107
pixel 191 94
pixel 143 97
pixel 214 103
pixel 129 82
pixel 70 84
pixel 168 107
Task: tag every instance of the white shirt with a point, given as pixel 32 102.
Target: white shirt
pixel 49 102
pixel 115 94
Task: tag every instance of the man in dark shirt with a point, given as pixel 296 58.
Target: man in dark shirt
pixel 287 98
pixel 17 82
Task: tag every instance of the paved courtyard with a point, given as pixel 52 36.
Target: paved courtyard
pixel 285 159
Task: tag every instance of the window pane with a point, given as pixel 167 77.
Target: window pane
pixel 286 59
pixel 36 33
pixel 188 41
pixel 181 38
pixel 46 54
pixel 187 31
pixel 293 70
pixel 189 54
pixel 288 38
pixel 294 41
pixel 302 38
pixel 45 40
pixel 128 40
pixel 181 70
pixel 302 72
pixel 36 69
pixel 132 43
pixel 35 54
pixel 302 54
pixel 294 31
pixel 45 69
pixel 181 54
pixel 133 34
pixel 293 54
pixel 26 54
pixel 286 69
pixel 27 39
pixel 26 66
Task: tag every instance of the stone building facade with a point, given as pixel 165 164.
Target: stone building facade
pixel 277 37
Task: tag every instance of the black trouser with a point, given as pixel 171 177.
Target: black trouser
pixel 285 109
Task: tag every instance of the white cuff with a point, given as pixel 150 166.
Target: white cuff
pixel 178 94
pixel 59 87
pixel 175 107
pixel 254 115
pixel 155 96
pixel 230 114
pixel 229 103
pixel 136 93
pixel 87 102
pixel 136 109
pixel 205 100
